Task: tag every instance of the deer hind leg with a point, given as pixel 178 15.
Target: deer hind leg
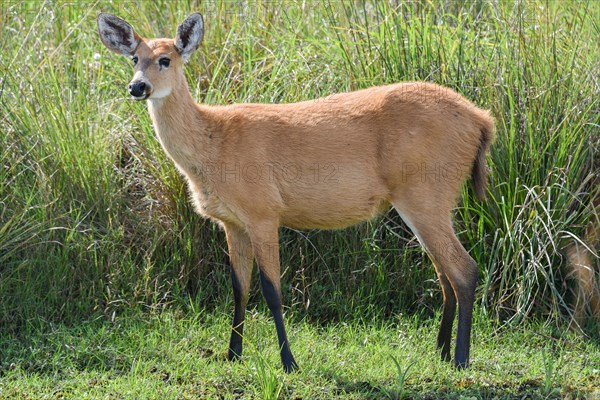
pixel 456 270
pixel 241 257
pixel 265 242
pixel 449 310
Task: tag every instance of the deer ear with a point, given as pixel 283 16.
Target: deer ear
pixel 189 35
pixel 117 34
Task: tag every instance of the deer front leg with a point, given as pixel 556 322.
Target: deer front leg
pixel 241 259
pixel 266 249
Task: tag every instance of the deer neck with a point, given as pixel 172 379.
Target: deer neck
pixel 180 126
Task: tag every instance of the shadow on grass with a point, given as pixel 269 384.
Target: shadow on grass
pixel 463 388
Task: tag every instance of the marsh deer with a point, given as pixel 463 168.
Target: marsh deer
pixel 582 266
pixel 327 164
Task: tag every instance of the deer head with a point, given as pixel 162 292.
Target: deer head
pixel 157 62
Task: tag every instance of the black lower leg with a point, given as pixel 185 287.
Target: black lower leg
pixel 463 333
pixel 237 334
pixel 445 333
pixel 444 338
pixel 273 298
pixel 466 299
pixel 237 328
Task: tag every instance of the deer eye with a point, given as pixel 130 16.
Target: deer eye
pixel 135 60
pixel 164 62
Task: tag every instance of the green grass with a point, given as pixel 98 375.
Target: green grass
pixel 175 356
pixel 101 253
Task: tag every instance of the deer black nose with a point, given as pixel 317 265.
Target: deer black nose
pixel 137 89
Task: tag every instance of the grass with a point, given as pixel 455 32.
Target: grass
pixel 174 356
pixel 108 280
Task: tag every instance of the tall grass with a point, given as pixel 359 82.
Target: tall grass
pixel 94 219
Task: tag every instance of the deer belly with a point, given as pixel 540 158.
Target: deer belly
pixel 333 213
